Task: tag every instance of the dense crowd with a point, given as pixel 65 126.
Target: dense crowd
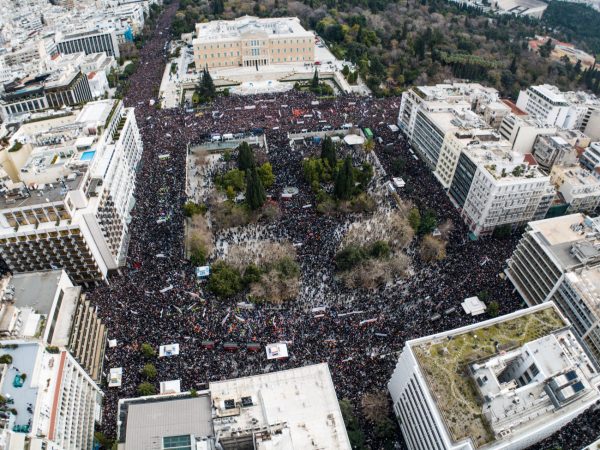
pixel 158 300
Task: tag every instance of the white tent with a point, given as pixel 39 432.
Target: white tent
pixel 115 377
pixel 354 139
pixel 170 387
pixel 473 306
pixel 277 351
pixel 168 350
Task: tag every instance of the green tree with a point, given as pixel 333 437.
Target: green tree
pixel 414 219
pixel 252 274
pixel 191 209
pixel 149 371
pixel 328 152
pixel 344 181
pixel 234 178
pixel 205 89
pixel 146 388
pixel 546 49
pixel 380 249
pixel 245 159
pixel 428 222
pixel 513 65
pixel 314 84
pixel 147 351
pixel 265 173
pixel 104 442
pixel 255 191
pixel 217 7
pixel 493 309
pixel 224 280
pixel 6 359
pixel 364 175
pixel 349 257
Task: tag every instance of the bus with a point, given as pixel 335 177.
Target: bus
pixel 368 133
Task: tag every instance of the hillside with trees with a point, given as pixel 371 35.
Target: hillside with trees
pixel 575 22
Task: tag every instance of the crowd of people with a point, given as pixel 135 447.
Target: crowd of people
pixel 157 299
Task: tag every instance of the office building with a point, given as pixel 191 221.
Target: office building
pixel 46 91
pixel 46 307
pixel 579 188
pixel 569 110
pixel 54 404
pixel 252 42
pixel 89 41
pixel 505 383
pixel 294 408
pixel 67 198
pixel 493 187
pixel 558 259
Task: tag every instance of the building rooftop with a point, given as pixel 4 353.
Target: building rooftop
pixel 295 408
pixel 41 369
pixel 219 30
pixel 445 360
pixel 302 399
pixel 550 93
pixel 36 289
pixel 451 92
pixel 149 421
pixel 577 176
pixel 502 163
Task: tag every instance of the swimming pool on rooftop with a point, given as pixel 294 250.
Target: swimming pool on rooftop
pixel 87 156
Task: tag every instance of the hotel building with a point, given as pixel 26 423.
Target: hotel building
pixel 67 192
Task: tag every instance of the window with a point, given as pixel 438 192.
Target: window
pixel 177 443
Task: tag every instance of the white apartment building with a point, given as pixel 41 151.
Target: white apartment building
pixel 590 159
pixel 456 96
pixel 493 186
pixel 550 150
pixel 56 402
pixel 522 131
pixel 252 42
pixel 558 259
pixel 455 143
pixel 546 103
pixel 579 188
pixel 505 383
pixel 69 193
pixel 563 148
pixel 569 110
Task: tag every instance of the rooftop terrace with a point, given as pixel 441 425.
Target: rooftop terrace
pixel 444 361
